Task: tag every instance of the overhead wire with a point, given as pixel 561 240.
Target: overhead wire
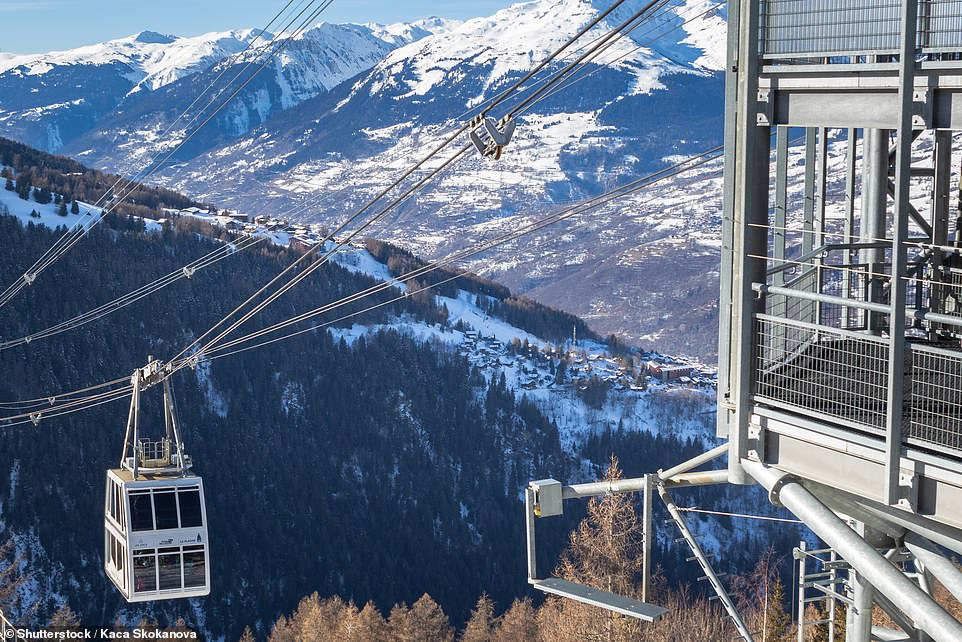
pixel 75 234
pixel 50 399
pixel 491 104
pixel 746 516
pixel 34 413
pixel 224 251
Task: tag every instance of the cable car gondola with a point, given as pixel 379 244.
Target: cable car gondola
pixel 155 521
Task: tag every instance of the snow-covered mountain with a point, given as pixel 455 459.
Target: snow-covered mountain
pixel 347 107
pixel 47 100
pixel 658 97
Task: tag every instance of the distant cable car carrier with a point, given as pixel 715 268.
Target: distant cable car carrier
pixel 155 523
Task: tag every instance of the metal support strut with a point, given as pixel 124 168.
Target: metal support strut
pixel 905 594
pixel 706 567
pixel 170 455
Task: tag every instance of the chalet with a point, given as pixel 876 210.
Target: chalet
pixel 299 244
pixel 669 372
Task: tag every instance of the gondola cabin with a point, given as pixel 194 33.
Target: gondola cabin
pixel 155 520
pixel 155 539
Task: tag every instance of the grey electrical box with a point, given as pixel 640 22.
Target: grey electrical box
pixel 547 493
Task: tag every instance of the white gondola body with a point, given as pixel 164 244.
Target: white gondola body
pixel 155 535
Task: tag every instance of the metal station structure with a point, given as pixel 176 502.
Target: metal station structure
pixel 840 368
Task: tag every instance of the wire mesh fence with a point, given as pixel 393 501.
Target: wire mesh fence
pixel 936 403
pixel 837 374
pixel 854 30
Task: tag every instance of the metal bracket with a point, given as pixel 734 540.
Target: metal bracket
pixel 756 442
pixel 766 108
pixel 922 108
pixel 908 488
pixel 153 373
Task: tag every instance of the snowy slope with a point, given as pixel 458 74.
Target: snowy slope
pixel 484 340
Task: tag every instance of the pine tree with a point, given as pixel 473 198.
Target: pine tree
pixel 11 581
pixel 479 627
pixel 62 210
pixel 518 624
pixel 429 622
pixel 63 618
pixel 23 186
pixel 400 626
pixel 247 635
pixel 371 625
pixel 74 208
pixel 8 185
pixel 605 552
pixel 777 622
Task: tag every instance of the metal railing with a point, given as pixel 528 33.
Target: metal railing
pixel 852 31
pixel 153 453
pixel 837 374
pixel 7 630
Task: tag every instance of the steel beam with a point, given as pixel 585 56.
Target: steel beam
pixel 893 521
pixel 694 462
pixel 706 566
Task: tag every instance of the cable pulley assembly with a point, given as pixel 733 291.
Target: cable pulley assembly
pixel 499 134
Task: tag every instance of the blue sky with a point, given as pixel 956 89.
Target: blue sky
pixel 33 26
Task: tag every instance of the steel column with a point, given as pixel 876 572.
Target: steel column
pixel 897 290
pixel 750 223
pixel 849 230
pixel 529 518
pixel 875 165
pixel 646 517
pixel 941 196
pixel 781 203
pixel 724 417
pixel 808 209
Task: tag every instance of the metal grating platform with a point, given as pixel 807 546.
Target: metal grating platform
pixel 603 599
